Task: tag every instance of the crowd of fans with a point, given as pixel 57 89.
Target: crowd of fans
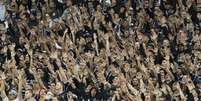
pixel 100 50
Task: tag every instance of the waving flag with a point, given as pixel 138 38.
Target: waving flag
pixel 2 11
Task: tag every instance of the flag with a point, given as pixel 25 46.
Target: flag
pixel 2 12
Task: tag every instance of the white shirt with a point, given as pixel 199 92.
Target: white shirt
pixel 6 99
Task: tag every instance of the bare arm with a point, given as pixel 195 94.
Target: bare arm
pixel 20 85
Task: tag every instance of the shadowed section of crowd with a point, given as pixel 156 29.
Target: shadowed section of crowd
pixel 100 50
